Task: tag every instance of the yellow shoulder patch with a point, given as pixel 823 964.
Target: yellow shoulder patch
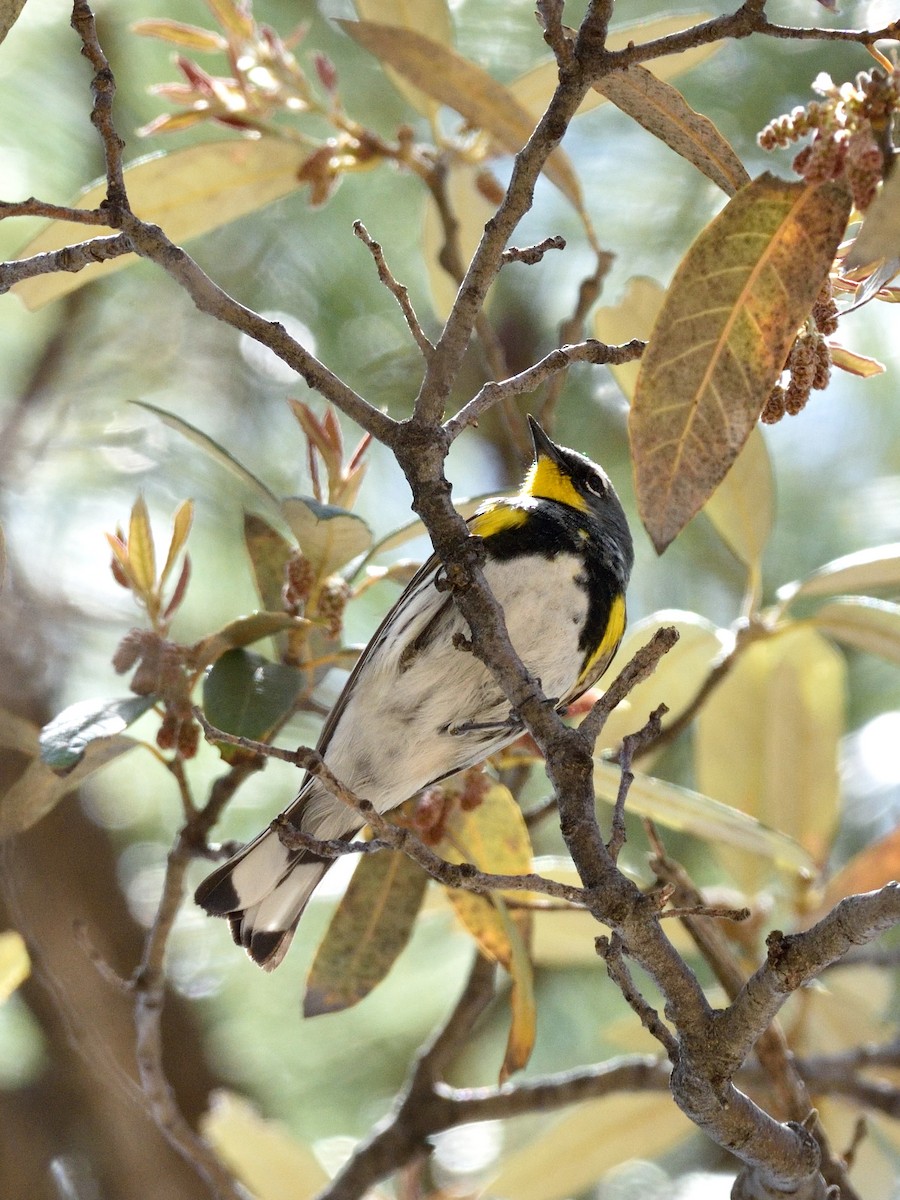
pixel 498 519
pixel 546 481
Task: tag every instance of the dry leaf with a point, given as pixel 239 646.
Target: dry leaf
pixel 663 111
pixel 721 340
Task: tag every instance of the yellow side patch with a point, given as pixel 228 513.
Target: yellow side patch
pixel 615 627
pixel 498 519
pixel 547 482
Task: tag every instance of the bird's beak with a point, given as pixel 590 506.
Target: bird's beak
pixel 542 444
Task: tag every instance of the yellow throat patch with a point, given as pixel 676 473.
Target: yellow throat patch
pixel 545 481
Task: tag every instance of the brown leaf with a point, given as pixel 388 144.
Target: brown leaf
pixel 663 111
pixel 721 339
pixel 462 86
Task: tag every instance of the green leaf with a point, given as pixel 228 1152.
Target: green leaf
pixel 721 339
pixel 188 192
pixel 328 536
pixel 862 623
pixel 216 452
pixel 865 571
pixel 245 694
pixel 63 740
pixel 701 816
pixel 371 926
pixel 243 631
pixel 39 789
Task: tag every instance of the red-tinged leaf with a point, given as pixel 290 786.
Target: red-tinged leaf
pixel 872 868
pixel 371 926
pixel 721 339
pixel 180 589
pixel 179 34
pixel 663 111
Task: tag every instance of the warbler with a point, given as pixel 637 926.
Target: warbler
pixel 417 707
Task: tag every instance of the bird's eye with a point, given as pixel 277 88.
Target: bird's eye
pixel 595 485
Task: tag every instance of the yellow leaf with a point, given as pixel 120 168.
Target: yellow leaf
pixel 15 965
pixel 767 741
pixel 854 363
pixel 188 192
pixel 371 926
pixel 862 623
pixel 534 89
pixel 263 1154
pixel 742 508
pixel 864 571
pixel 141 554
pixel 181 527
pixel 495 838
pixel 572 1152
pixel 676 680
pixel 463 86
pixel 663 111
pixel 431 17
pixel 721 339
pixel 633 317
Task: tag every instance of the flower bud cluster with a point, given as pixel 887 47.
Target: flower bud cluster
pixel 849 127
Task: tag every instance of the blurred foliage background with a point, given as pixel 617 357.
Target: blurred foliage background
pixel 75 452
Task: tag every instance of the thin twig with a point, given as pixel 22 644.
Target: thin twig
pixel 32 207
pixel 69 258
pixel 631 744
pixel 530 255
pixel 611 950
pixel 397 290
pixel 561 359
pixel 640 667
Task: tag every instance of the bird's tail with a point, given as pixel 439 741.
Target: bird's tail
pixel 263 891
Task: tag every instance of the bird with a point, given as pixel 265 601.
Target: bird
pixel 417 707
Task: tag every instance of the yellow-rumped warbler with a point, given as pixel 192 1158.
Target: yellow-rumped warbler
pixel 417 708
